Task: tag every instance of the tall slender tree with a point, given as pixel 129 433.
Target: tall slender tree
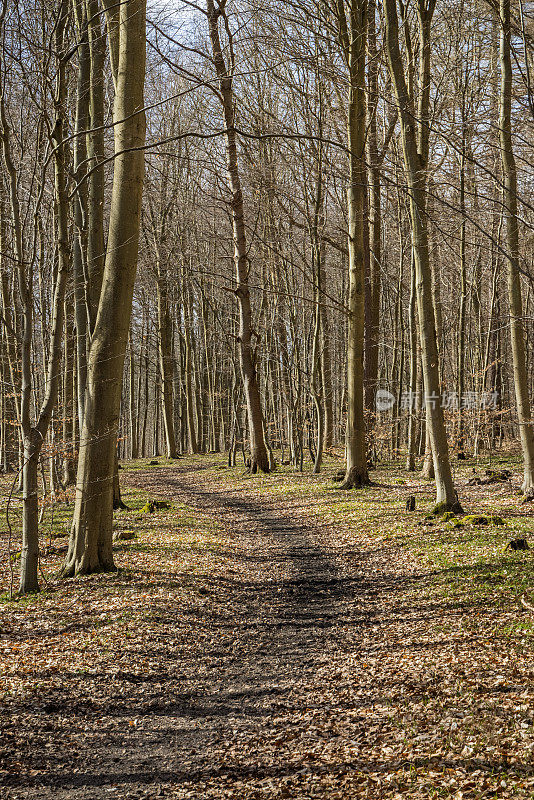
pixel 509 174
pixel 90 546
pixel 415 132
pixel 352 27
pixel 259 457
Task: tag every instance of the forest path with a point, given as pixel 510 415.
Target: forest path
pixel 288 657
pixel 270 711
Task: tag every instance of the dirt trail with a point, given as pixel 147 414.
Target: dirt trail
pixel 303 669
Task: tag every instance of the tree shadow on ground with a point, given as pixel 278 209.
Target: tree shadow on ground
pixel 253 650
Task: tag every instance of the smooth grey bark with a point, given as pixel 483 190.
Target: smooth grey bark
pixel 415 150
pixel 133 401
pixel 69 414
pixel 462 311
pixel 318 270
pixel 412 336
pixel 90 545
pixel 188 367
pixel 259 457
pixel 96 251
pixel 509 174
pixel 372 320
pixel 166 362
pixel 326 370
pixel 352 25
pixel 79 253
pixel 316 361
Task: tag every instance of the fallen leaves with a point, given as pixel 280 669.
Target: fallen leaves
pixel 264 638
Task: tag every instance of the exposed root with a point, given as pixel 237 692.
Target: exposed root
pixel 354 479
pixel 118 505
pixel 75 568
pixel 30 590
pixel 444 506
pixel 257 465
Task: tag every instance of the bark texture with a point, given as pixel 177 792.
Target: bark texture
pixel 90 547
pixel 415 150
pixel 509 174
pixel 259 457
pixel 353 32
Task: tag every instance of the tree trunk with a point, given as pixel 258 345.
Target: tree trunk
pixel 190 411
pixel 372 322
pixel 412 410
pixel 29 556
pixel 146 365
pixel 353 38
pixel 79 254
pixel 462 312
pixel 117 502
pixel 133 402
pixel 318 258
pixel 414 150
pixel 326 373
pixel 316 368
pixel 166 363
pixel 69 414
pixel 90 546
pixel 96 251
pixel 512 241
pixel 259 457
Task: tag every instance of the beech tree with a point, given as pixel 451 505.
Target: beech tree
pixel 352 22
pixel 415 131
pixel 90 548
pixel 509 174
pixel 259 457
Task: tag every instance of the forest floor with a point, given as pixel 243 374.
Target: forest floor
pixel 275 637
